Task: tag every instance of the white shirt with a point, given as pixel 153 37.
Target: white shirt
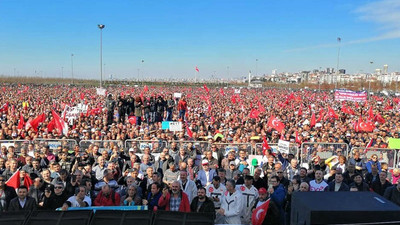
pixel 190 189
pixel 74 202
pixel 232 205
pixel 212 191
pixel 314 186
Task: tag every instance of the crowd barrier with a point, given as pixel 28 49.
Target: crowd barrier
pixel 54 143
pixel 102 144
pixel 386 155
pixel 293 149
pixel 105 217
pixel 155 146
pixel 17 144
pixel 324 150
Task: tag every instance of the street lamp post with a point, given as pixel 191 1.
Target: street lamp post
pixel 101 27
pixel 369 80
pixel 337 65
pixel 257 67
pixel 72 68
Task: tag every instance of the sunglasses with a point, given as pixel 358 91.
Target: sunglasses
pixel 279 172
pixel 58 187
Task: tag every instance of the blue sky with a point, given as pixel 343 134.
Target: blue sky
pixel 173 37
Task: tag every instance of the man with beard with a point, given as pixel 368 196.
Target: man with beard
pixel 107 197
pixel 201 203
pixel 318 184
pixel 215 190
pixel 272 215
pixel 174 200
pixel 250 194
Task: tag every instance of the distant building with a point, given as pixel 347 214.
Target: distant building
pixel 342 71
pixel 385 69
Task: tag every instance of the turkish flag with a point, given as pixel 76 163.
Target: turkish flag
pixel 51 125
pixel 321 115
pixel 261 107
pixel 259 213
pixel 132 120
pixel 312 123
pixel 298 141
pixel 21 122
pixel 370 114
pixel 364 126
pixel 14 180
pixel 221 91
pixel 61 125
pixel 379 119
pixel 300 112
pixel 332 114
pixel 145 89
pixel 265 146
pixel 254 113
pixel 82 96
pixel 35 122
pixel 197 69
pixel 206 88
pixel 233 99
pixel 368 146
pixel 276 124
pixel 189 132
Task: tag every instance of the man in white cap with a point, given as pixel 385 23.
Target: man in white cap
pixel 206 174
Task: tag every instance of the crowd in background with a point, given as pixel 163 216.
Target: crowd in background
pixel 190 177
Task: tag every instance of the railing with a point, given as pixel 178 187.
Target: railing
pixel 386 155
pixel 54 143
pixel 324 150
pixel 156 146
pixel 102 144
pixel 293 149
pixel 17 144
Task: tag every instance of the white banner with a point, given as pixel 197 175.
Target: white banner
pixel 283 146
pixel 177 95
pixel 175 126
pixel 101 91
pixel 347 95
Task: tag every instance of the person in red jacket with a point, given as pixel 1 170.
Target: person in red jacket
pixel 182 107
pixel 107 197
pixel 177 200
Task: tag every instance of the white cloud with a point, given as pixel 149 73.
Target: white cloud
pixel 384 13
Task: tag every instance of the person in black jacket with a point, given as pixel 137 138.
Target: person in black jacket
pixel 54 200
pixel 337 184
pixel 201 203
pixel 379 186
pixel 6 191
pixel 359 183
pixel 23 202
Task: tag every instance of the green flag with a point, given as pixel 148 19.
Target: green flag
pixel 394 143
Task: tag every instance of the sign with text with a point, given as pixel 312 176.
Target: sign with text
pixel 283 146
pixel 347 95
pixel 175 126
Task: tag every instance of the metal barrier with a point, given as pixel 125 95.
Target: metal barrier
pixel 235 146
pixel 55 143
pixel 17 144
pixel 386 155
pixel 293 149
pixel 322 149
pixel 102 144
pixel 156 146
pixel 200 146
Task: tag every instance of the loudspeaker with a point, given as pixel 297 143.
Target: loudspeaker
pixel 75 217
pixel 174 218
pixel 14 218
pixel 107 217
pixel 342 208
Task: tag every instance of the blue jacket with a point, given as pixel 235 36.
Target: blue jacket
pixel 153 201
pixel 369 164
pixel 279 195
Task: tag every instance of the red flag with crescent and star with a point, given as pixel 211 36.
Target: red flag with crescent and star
pixel 259 213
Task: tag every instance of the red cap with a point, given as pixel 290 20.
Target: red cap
pixel 262 191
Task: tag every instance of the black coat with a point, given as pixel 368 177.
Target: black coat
pixel 331 187
pixel 30 204
pixel 10 194
pixel 55 201
pixel 207 206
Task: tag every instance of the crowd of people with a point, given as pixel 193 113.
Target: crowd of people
pixel 184 175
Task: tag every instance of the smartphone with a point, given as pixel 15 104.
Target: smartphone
pixel 73 178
